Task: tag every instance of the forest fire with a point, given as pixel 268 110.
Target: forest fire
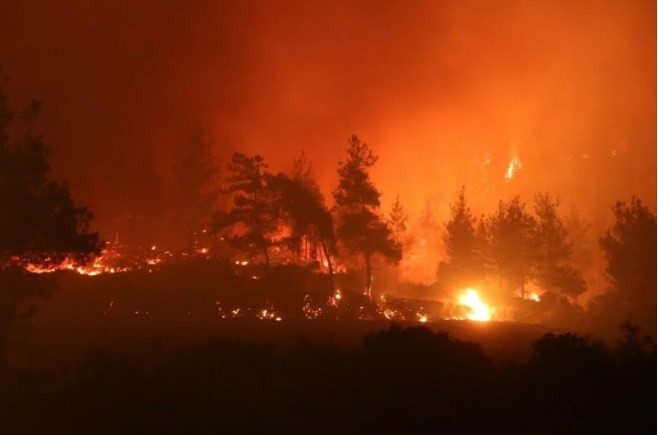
pixel 347 217
pixel 479 311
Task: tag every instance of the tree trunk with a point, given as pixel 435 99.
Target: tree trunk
pixel 307 250
pixel 331 268
pixel 266 256
pixel 368 276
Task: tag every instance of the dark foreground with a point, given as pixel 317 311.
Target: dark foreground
pixel 402 380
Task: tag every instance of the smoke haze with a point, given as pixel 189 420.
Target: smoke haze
pixel 447 93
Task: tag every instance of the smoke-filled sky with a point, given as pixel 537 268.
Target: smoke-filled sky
pixel 447 93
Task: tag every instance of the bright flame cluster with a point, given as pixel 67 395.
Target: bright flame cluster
pixel 513 168
pixel 478 310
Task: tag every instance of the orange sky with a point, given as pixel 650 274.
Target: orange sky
pixel 445 92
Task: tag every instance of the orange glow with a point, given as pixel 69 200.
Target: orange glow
pixel 479 311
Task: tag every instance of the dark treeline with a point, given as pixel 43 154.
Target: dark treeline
pixel 273 211
pixel 404 381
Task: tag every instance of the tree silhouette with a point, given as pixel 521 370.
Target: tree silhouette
pixel 302 173
pixel 552 250
pixel 305 233
pixel 252 219
pixel 510 245
pixel 463 246
pixel 40 222
pixel 360 226
pixel 580 240
pixel 397 221
pixel 630 249
pixel 195 192
pixel 309 220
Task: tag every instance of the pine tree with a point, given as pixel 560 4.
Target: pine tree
pixel 461 239
pixel 252 207
pixel 630 249
pixel 510 245
pixel 360 226
pixel 552 251
pixel 40 223
pixel 397 221
pixel 302 208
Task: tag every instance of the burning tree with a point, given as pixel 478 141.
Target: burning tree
pixel 360 226
pixel 252 219
pixel 302 203
pixel 309 220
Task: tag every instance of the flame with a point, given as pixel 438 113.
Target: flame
pixel 534 297
pixel 98 266
pixel 478 310
pixel 266 314
pixel 514 166
pixel 333 301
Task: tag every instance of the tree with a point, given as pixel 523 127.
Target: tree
pixel 397 221
pixel 630 249
pixel 302 173
pixel 462 242
pixel 195 192
pixel 39 223
pixel 307 190
pixel 510 245
pixel 309 220
pixel 552 250
pixel 580 240
pixel 360 226
pixel 252 219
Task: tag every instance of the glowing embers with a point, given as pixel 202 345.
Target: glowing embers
pixel 387 311
pixel 310 310
pixel 478 310
pixel 268 313
pixel 514 166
